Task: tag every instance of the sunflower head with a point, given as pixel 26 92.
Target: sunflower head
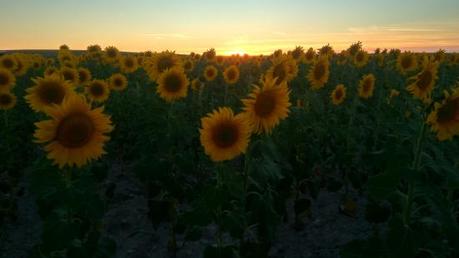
pixel 188 65
pixel 47 91
pixel 111 54
pixel 197 84
pixel 444 119
pixel 22 65
pixel 367 86
pixel 7 100
pixel 422 84
pixel 118 82
pixel 298 53
pixel 231 74
pixel 223 135
pixel 8 62
pixel 64 47
pixel 50 70
pixel 76 134
pixel 160 62
pixel 406 62
pixel 84 76
pixel 94 50
pixel 97 90
pixel 267 105
pixel 309 56
pixel 129 64
pixel 360 58
pixel 210 73
pixel 70 75
pixel 319 73
pixel 339 94
pixel 7 79
pixel 173 85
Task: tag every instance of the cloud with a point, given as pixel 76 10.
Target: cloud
pixel 161 36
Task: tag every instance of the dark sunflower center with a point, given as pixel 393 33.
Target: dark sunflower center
pixel 83 76
pixel 97 89
pixel 51 92
pixel 367 85
pixel 265 104
pixel 68 75
pixel 225 135
pixel 165 63
pixel 8 63
pixel 5 99
pixel 129 63
pixel 406 62
pixel 319 71
pixel 424 80
pixel 118 82
pixel 111 53
pixel 449 112
pixel 339 93
pixel 210 73
pixel 75 130
pixel 172 83
pixel 4 79
pixel 231 74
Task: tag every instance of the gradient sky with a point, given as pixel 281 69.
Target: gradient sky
pixel 252 26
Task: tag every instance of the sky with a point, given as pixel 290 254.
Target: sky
pixel 231 26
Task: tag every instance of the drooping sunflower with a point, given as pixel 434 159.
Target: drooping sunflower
pixel 406 62
pixel 309 56
pixel 422 84
pixel 21 65
pixel 128 64
pixel 444 119
pixel 70 75
pixel 76 134
pixel 7 79
pixel 298 53
pixel 197 84
pixel 267 105
pixel 118 82
pixel 97 90
pixel 111 54
pixel 47 91
pixel 94 50
pixel 231 74
pixel 160 62
pixel 278 71
pixel 339 94
pixel 367 86
pixel 210 73
pixel 84 75
pixel 7 100
pixel 361 58
pixel 223 135
pixel 64 47
pixel 319 73
pixel 8 62
pixel 173 84
pixel 188 65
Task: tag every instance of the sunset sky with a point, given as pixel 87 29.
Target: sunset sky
pixel 233 26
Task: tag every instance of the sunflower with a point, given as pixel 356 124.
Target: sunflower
pixel 97 90
pixel 298 53
pixel 93 50
pixel 197 84
pixel 319 73
pixel 50 70
pixel 47 91
pixel 210 73
pixel 84 75
pixel 76 134
pixel 219 60
pixel 367 86
pixel 444 119
pixel 360 58
pixel 21 65
pixel 128 64
pixel 223 135
pixel 7 100
pixel 406 62
pixel 267 105
pixel 8 62
pixel 118 82
pixel 422 84
pixel 161 62
pixel 279 70
pixel 339 94
pixel 327 51
pixel 188 65
pixel 111 54
pixel 70 74
pixel 173 84
pixel 231 74
pixel 309 56
pixel 64 47
pixel 7 79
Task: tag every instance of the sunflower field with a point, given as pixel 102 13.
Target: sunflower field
pixel 235 145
